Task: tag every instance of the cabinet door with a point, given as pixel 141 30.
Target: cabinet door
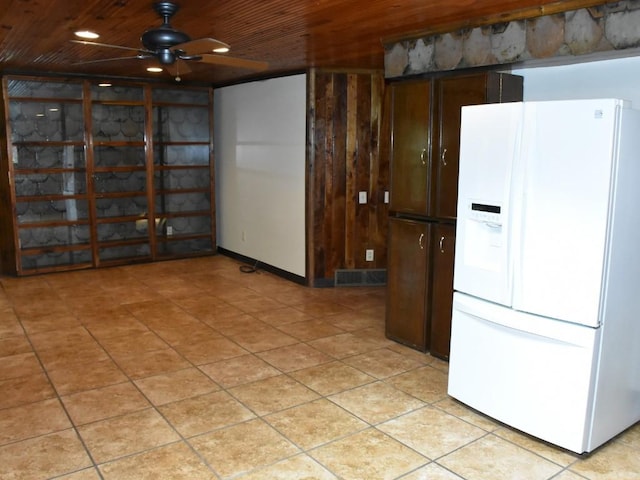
pixel 408 263
pixel 411 111
pixel 442 289
pixel 451 94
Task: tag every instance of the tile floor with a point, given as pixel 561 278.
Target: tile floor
pixel 193 370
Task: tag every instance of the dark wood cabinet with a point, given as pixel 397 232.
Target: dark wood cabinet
pixel 425 147
pixel 407 285
pixel 444 241
pixel 410 124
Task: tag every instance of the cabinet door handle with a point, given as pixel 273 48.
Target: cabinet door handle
pixel 423 154
pixel 442 244
pixel 421 241
pixel 443 157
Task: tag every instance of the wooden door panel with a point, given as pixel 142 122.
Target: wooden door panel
pixel 442 289
pixel 409 244
pixel 453 93
pixel 411 113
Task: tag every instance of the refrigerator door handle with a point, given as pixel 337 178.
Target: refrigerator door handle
pixel 422 156
pixel 421 241
pixel 443 157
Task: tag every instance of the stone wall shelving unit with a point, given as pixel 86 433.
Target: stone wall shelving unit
pixel 87 168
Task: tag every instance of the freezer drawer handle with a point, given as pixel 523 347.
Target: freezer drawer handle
pixel 421 241
pixel 423 154
pixel 442 244
pixel 443 157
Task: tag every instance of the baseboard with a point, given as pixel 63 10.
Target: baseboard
pixel 252 262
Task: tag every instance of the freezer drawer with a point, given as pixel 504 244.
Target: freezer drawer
pixel 532 373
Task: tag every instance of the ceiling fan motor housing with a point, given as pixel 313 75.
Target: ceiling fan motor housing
pixel 161 39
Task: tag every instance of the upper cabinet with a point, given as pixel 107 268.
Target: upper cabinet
pixel 89 167
pixel 425 124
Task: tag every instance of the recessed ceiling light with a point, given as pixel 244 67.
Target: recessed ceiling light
pixel 53 109
pixel 86 34
pixel 154 69
pixel 104 84
pixel 221 50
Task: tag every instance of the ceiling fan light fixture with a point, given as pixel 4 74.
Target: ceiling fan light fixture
pixel 154 69
pixel 88 34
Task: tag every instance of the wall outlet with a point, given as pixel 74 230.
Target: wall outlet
pixel 362 197
pixel 368 255
pixel 169 230
pixel 386 196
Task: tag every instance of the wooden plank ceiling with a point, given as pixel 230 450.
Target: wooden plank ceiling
pixel 291 35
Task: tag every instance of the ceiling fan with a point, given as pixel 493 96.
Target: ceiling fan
pixel 173 48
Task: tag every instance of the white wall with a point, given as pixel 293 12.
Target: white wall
pixel 615 78
pixel 259 137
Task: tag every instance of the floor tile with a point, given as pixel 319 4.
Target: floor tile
pixel 85 474
pixel 273 394
pixel 48 323
pixel 21 390
pixel 135 341
pixel 102 403
pixel 145 356
pixel 432 471
pixel 43 457
pixel 426 383
pixel 617 462
pixel 295 468
pixel 175 461
pixel 178 385
pixel 14 345
pixel 382 363
pixel 367 455
pixel 266 339
pixel 431 432
pixel 202 414
pixel 210 351
pixel 383 402
pixel 330 378
pixel 72 356
pixel 458 409
pixel 280 317
pixel 503 459
pixel 343 345
pixel 32 420
pixel 294 357
pixel 239 370
pixel 125 435
pixel 19 365
pixel 242 448
pixel 60 339
pixel 315 423
pixel 155 362
pixel 310 329
pixel 539 447
pixel 73 378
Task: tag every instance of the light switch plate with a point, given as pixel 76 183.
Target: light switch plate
pixel 362 197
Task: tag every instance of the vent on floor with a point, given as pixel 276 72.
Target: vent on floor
pixel 361 277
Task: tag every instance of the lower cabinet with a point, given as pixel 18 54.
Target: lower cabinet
pixel 420 284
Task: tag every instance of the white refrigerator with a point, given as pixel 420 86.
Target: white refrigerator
pixel 546 312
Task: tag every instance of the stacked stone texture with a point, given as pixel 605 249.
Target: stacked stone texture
pixel 606 28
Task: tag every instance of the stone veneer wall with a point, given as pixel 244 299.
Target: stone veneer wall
pixel 606 28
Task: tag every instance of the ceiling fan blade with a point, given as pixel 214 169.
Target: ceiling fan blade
pixel 200 45
pixel 137 57
pixel 108 45
pixel 179 68
pixel 234 62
